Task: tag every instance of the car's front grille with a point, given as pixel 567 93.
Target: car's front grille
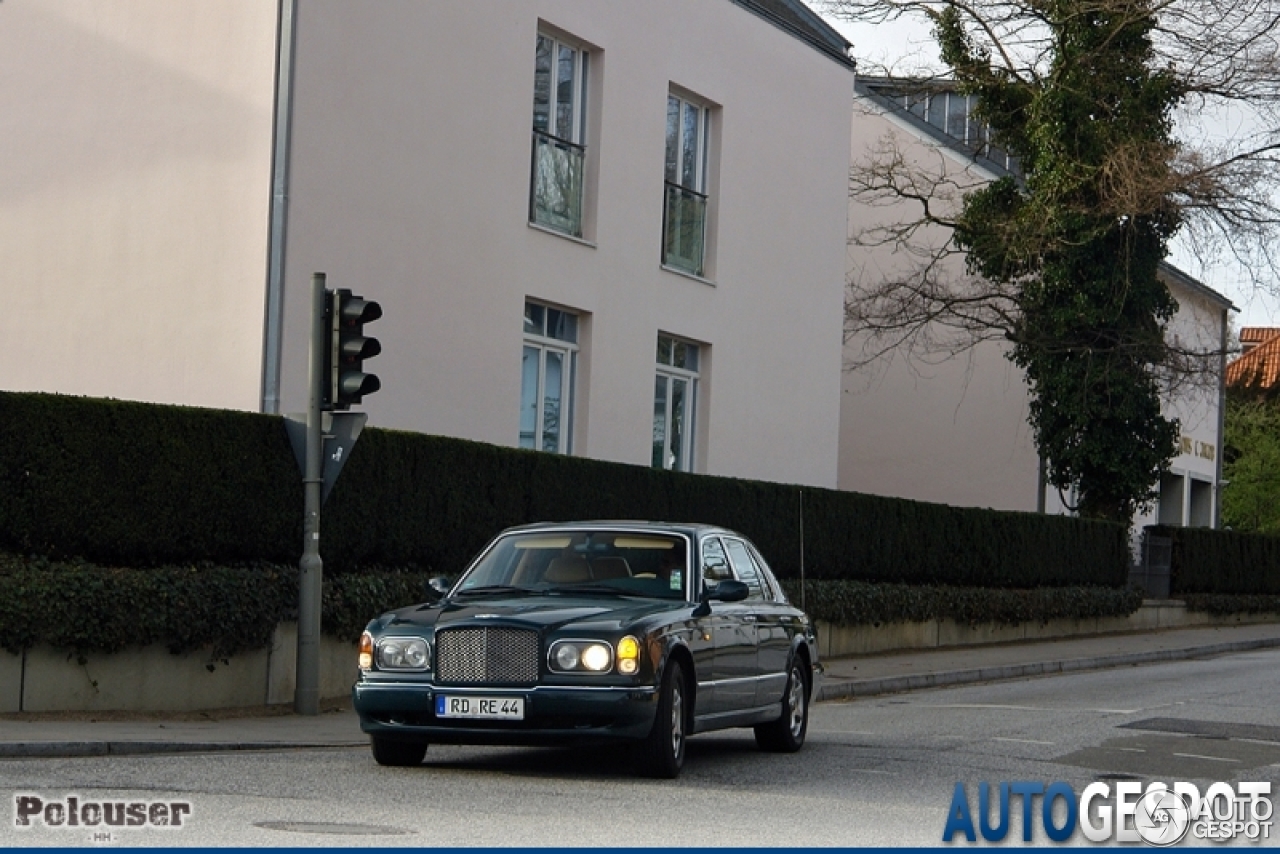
pixel 487 654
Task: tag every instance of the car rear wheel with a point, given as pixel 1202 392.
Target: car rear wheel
pixel 662 753
pixel 397 753
pixel 786 734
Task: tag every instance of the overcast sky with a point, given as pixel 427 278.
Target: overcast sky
pixel 906 47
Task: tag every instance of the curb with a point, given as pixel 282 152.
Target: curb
pixel 68 749
pixel 849 689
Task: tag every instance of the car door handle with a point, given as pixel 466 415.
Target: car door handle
pixel 748 618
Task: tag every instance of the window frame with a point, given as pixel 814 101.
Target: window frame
pixel 671 373
pixel 575 144
pixel 546 343
pixel 674 178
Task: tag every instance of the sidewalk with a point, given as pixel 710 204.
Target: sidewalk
pixel 54 734
pixel 907 670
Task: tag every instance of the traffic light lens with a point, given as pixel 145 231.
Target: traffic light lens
pixel 346 348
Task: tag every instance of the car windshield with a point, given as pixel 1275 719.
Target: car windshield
pixel 631 563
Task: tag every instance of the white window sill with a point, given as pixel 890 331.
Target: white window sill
pixel 686 274
pixel 545 230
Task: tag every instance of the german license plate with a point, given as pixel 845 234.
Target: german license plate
pixel 483 708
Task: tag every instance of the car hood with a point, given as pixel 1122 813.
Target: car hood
pixel 597 613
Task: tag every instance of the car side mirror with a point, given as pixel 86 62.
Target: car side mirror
pixel 730 590
pixel 437 587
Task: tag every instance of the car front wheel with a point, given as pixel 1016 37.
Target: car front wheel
pixel 399 754
pixel 786 734
pixel 662 753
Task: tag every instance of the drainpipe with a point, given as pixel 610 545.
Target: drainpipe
pixel 274 315
pixel 1222 421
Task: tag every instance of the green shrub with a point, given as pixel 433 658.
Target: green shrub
pixel 1221 604
pixel 87 608
pixel 857 603
pixel 1222 562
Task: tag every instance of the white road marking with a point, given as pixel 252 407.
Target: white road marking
pixel 1030 708
pixel 1021 740
pixel 1211 758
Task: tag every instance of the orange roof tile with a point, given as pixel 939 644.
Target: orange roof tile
pixel 1261 365
pixel 1257 334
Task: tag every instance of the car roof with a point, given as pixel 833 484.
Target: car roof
pixel 688 528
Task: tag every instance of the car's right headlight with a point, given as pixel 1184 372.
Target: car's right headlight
pixel 403 654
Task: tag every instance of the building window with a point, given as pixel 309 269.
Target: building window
pixel 559 135
pixel 546 388
pixel 674 396
pixel 684 219
pixel 952 113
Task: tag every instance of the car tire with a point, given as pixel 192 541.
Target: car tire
pixel 398 754
pixel 662 753
pixel 786 734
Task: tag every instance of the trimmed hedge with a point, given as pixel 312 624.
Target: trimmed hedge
pixel 87 608
pixel 856 603
pixel 146 485
pixel 231 609
pixel 1221 604
pixel 1222 562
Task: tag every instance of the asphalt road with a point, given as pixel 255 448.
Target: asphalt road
pixel 874 772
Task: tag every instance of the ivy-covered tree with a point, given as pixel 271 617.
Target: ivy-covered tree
pixel 1090 329
pixel 1062 259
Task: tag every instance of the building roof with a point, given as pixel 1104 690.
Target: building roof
pixel 1260 365
pixel 797 19
pixel 1257 334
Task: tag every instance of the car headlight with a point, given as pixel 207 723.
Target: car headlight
pixel 580 657
pixel 628 655
pixel 403 654
pixel 366 651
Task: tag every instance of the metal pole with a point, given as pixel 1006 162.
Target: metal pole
pixel 306 698
pixel 801 549
pixel 1042 483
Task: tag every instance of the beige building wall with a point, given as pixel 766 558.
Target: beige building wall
pixel 134 195
pixel 944 428
pixel 953 429
pixel 409 184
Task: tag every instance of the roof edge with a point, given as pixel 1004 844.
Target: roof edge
pixel 817 34
pixel 1191 283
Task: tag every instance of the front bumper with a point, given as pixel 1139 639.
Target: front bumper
pixel 405 711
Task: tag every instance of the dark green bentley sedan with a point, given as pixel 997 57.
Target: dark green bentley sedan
pixel 589 632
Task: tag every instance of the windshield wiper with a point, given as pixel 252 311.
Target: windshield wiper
pixel 570 589
pixel 485 589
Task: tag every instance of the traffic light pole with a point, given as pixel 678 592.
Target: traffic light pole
pixel 306 698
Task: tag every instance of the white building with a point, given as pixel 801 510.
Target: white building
pixel 611 230
pixel 955 430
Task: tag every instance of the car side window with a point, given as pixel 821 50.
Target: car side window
pixel 715 566
pixel 745 568
pixel 767 576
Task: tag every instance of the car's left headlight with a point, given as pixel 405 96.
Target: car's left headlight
pixel 574 656
pixel 403 654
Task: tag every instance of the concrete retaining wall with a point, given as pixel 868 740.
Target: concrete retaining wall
pixel 835 641
pixel 151 678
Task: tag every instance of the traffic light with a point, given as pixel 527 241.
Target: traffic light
pixel 346 348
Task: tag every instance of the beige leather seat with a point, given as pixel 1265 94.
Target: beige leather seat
pixel 568 569
pixel 604 568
